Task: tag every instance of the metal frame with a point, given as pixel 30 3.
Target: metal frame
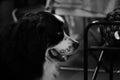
pixel 86 49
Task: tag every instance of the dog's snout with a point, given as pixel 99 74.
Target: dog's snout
pixel 75 45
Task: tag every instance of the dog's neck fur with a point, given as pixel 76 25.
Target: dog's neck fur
pixel 50 70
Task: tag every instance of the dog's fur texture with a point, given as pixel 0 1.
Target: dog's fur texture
pixel 33 47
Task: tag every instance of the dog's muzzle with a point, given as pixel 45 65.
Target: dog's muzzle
pixel 63 50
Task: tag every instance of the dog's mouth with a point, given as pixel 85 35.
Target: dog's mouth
pixel 54 54
pixel 63 51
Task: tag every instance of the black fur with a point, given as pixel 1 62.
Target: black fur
pixel 23 46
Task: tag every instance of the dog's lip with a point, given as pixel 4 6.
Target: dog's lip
pixel 53 53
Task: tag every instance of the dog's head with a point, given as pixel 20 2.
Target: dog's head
pixel 60 45
pixel 49 32
pixel 63 50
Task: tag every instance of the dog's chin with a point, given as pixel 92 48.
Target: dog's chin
pixel 55 55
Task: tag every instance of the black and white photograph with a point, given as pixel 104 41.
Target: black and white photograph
pixel 60 39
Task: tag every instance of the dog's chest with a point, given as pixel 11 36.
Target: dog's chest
pixel 50 71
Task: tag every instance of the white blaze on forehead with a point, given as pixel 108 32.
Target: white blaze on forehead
pixel 59 18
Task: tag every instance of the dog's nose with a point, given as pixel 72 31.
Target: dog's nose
pixel 75 45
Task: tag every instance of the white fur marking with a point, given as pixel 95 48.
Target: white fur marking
pixel 50 70
pixel 59 18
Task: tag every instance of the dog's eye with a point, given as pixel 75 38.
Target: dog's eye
pixel 56 37
pixel 59 33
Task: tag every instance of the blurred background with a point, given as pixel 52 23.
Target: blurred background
pixel 8 6
pixel 77 13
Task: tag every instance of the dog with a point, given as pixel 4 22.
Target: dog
pixel 33 47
